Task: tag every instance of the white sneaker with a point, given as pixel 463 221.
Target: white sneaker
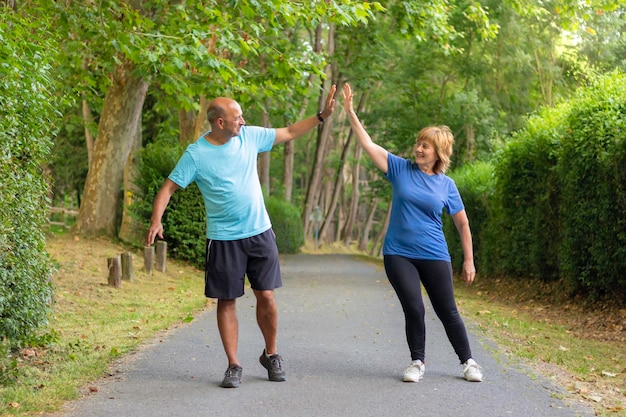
pixel 471 371
pixel 415 372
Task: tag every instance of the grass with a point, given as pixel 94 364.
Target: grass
pixel 94 325
pixel 555 339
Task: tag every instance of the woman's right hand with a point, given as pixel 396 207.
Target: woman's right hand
pixel 347 98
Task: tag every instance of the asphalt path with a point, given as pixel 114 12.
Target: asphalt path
pixel 341 334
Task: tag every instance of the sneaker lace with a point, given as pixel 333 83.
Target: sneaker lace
pixel 472 366
pixel 276 362
pixel 231 371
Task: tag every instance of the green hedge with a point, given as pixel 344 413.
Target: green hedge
pixel 593 180
pixel 558 207
pixel 184 221
pixel 287 224
pixel 476 184
pixel 527 199
pixel 30 113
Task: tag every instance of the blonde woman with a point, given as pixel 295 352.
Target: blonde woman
pixel 415 250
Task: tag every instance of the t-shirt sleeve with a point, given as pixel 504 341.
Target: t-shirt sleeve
pixel 394 165
pixel 185 171
pixel 263 137
pixel 454 203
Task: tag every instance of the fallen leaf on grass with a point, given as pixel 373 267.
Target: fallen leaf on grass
pixel 595 398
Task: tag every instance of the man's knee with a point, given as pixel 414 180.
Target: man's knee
pixel 265 297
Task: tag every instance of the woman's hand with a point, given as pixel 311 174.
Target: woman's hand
pixel 347 98
pixel 469 272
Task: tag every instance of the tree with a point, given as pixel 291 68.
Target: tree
pixel 178 49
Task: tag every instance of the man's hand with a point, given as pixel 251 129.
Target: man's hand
pixel 154 231
pixel 329 108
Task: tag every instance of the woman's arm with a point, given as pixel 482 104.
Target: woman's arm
pixel 462 225
pixel 377 153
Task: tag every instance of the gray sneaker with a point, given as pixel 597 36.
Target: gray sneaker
pixel 274 366
pixel 232 377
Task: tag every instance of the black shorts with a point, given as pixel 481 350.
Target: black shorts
pixel 229 261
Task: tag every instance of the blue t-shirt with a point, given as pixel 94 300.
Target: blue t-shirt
pixel 415 226
pixel 228 180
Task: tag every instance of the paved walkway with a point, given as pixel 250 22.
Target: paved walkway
pixel 341 333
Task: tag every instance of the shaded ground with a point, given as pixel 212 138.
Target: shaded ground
pixel 599 320
pixel 603 321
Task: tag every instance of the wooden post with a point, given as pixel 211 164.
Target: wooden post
pixel 161 255
pixel 148 258
pixel 127 267
pixel 115 271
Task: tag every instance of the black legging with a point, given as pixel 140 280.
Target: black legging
pixel 405 275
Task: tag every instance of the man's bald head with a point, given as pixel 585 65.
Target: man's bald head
pixel 219 108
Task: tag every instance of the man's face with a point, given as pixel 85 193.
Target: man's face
pixel 233 120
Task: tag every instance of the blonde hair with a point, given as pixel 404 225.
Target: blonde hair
pixel 442 140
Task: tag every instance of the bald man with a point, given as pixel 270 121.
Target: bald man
pixel 239 236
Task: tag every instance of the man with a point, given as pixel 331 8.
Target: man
pixel 240 241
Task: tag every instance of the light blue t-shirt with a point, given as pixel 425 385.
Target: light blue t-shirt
pixel 415 226
pixel 228 180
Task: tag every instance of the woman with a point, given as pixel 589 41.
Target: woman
pixel 415 250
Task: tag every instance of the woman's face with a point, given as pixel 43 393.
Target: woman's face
pixel 425 154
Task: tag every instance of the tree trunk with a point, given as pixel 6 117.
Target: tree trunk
pixel 314 187
pixel 288 158
pixel 339 174
pixel 381 235
pixel 365 236
pixel 117 128
pixel 289 151
pixel 338 183
pixel 354 200
pixel 202 124
pixel 132 230
pixel 186 127
pixel 87 120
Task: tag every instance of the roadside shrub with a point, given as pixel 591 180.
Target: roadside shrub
pixel 591 171
pixel 184 221
pixel 287 224
pixel 476 185
pixel 526 208
pixel 27 126
pixel 185 226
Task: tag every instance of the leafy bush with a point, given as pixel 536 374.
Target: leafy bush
pixel 558 209
pixel 476 184
pixel 27 126
pixel 287 224
pixel 593 182
pixel 526 209
pixel 185 226
pixel 184 221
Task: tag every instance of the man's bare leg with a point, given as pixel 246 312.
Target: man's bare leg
pixel 229 328
pixel 267 319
